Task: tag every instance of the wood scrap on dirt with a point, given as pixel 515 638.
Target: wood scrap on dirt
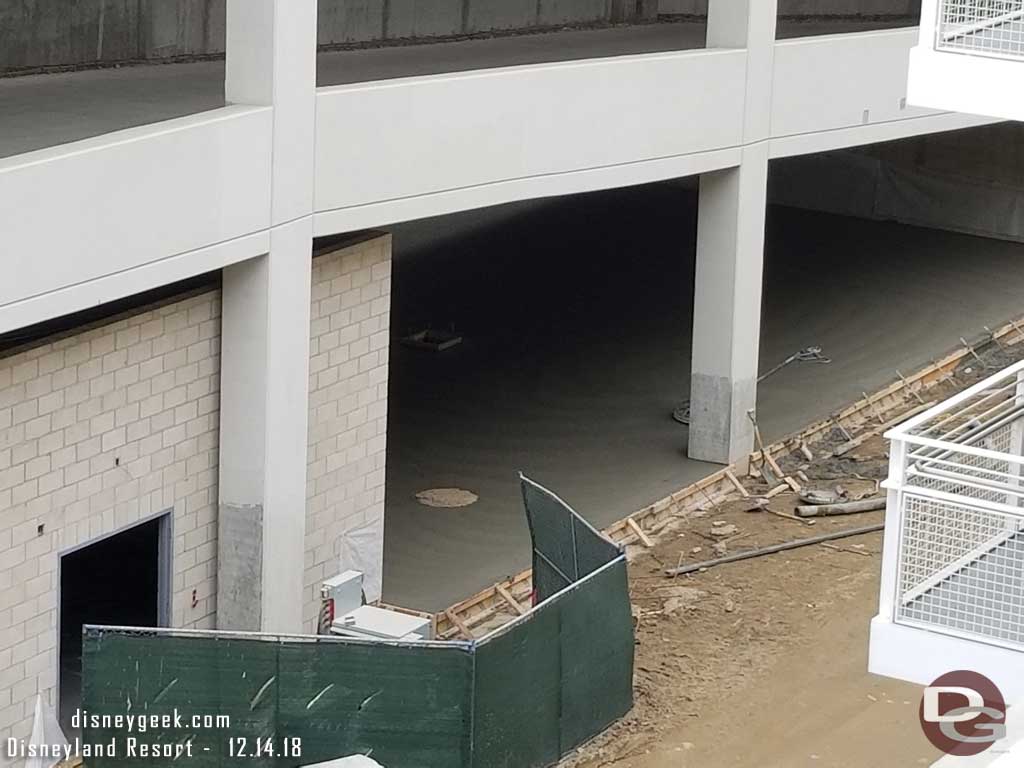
pixel 706 633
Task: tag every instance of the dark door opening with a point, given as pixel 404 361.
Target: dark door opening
pixel 120 580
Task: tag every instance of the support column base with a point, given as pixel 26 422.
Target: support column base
pixel 720 431
pixel 240 567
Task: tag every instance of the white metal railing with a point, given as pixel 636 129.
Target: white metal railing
pixel 981 27
pixel 957 481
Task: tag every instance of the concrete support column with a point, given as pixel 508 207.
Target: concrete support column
pixel 749 24
pixel 727 308
pixel 730 250
pixel 271 61
pixel 263 435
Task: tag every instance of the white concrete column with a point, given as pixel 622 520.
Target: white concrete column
pixel 749 24
pixel 730 250
pixel 263 435
pixel 727 308
pixel 271 60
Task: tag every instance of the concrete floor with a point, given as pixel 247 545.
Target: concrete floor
pixel 42 111
pixel 577 316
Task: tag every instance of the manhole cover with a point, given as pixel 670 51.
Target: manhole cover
pixel 446 497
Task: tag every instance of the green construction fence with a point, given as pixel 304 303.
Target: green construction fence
pixel 521 697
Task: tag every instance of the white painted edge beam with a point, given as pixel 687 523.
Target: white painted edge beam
pixel 330 222
pixel 873 133
pixel 92 293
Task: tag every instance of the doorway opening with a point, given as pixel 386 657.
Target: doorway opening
pixel 120 580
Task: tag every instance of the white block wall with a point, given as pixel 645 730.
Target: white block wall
pixel 348 390
pixel 98 430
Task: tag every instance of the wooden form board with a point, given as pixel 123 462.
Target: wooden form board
pixel 460 619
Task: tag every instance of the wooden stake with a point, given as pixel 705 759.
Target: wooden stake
pixel 874 408
pixel 845 549
pixel 908 388
pixel 856 442
pixel 635 528
pixel 788 516
pixel 459 624
pixel 1017 328
pixel 736 484
pixel 775 466
pixel 510 600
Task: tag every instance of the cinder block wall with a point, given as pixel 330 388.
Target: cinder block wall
pixel 348 390
pixel 99 430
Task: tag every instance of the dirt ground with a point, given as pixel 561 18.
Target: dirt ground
pixel 763 663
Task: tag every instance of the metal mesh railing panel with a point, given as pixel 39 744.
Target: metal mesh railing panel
pixel 962 570
pixel 937 534
pixel 968 475
pixel 984 27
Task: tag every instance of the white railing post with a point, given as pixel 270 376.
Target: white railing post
pixel 888 596
pixel 928 32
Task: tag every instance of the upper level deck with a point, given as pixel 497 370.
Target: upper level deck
pixel 141 175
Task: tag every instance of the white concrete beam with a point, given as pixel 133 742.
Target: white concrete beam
pixel 727 308
pixel 263 435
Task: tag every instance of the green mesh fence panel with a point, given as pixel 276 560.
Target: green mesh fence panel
pixel 520 698
pixel 552 681
pixel 136 674
pixel 565 547
pixel 407 705
pixel 596 649
pixel 516 712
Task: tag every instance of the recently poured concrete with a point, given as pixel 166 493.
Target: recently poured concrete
pixel 40 111
pixel 576 315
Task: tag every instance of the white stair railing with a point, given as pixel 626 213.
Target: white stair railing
pixel 981 27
